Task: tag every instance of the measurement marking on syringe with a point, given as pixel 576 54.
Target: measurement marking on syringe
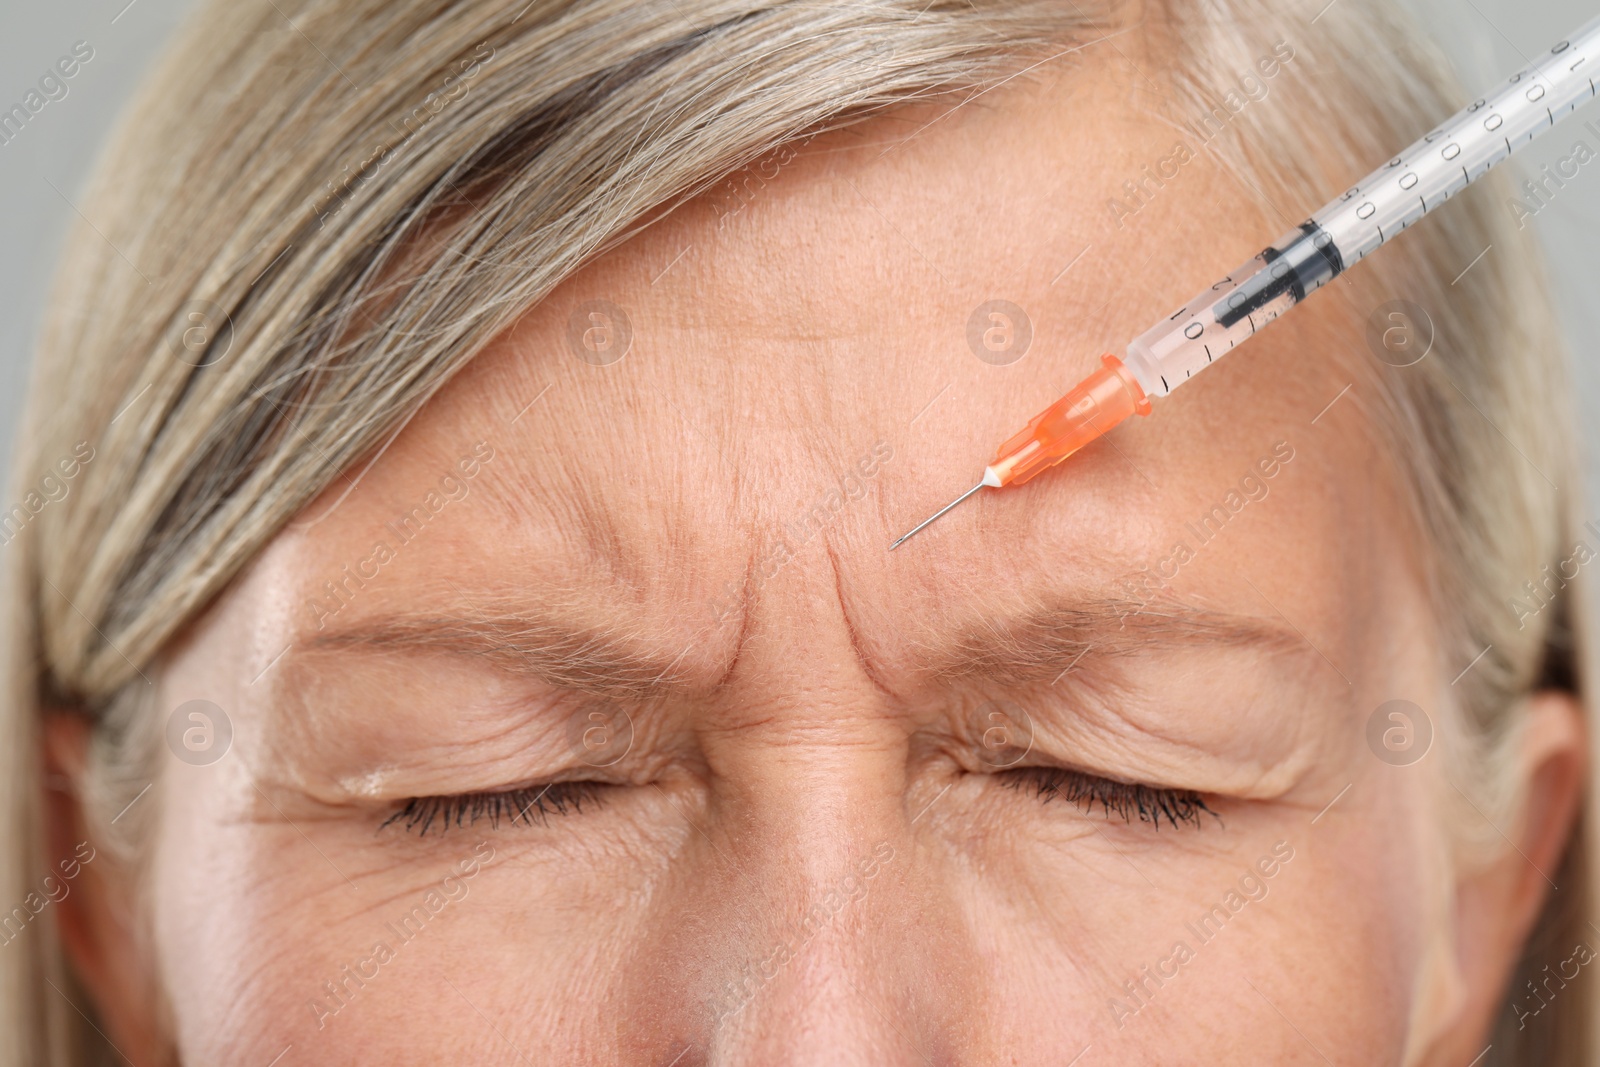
pixel 1305 259
pixel 1411 173
pixel 1365 217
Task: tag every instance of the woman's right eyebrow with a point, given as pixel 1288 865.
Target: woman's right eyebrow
pixel 583 658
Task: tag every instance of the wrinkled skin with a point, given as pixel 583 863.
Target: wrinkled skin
pixel 812 841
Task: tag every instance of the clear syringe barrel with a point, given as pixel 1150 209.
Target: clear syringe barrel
pixel 1356 224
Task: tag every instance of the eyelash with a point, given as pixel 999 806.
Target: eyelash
pixel 1126 799
pixel 531 803
pixel 514 805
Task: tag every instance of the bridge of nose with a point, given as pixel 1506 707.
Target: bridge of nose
pixel 821 932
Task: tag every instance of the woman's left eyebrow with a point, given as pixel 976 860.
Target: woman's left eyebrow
pixel 1044 643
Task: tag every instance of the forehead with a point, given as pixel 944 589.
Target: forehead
pixel 828 346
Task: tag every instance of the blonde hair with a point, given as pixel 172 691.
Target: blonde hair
pixel 354 196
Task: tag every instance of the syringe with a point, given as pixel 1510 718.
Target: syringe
pixel 1302 261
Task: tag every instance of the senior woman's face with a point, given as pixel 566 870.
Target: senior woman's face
pixel 593 722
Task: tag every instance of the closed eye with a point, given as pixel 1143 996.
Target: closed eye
pixel 1127 799
pixel 526 805
pixel 531 804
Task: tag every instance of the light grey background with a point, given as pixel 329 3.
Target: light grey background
pixel 42 170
